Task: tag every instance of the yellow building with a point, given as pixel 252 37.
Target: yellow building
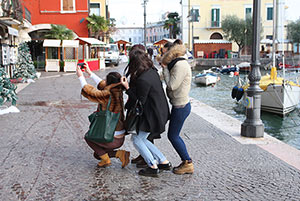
pixel 100 8
pixel 211 13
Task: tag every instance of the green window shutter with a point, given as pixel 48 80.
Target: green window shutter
pixel 248 12
pixel 212 17
pixel 270 14
pixel 197 15
pixel 218 17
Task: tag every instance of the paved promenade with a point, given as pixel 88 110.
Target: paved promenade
pixel 44 157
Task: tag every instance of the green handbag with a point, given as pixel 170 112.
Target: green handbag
pixel 103 125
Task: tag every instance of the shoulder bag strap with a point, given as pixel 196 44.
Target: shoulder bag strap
pixel 108 104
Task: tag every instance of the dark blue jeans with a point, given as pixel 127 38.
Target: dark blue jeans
pixel 178 116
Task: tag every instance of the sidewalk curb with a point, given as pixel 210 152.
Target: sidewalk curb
pixel 21 86
pixel 232 127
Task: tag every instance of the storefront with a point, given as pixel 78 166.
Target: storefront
pixel 52 54
pixel 89 51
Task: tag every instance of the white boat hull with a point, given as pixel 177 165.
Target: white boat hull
pixel 280 99
pixel 206 80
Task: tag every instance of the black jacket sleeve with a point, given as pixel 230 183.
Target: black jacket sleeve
pixel 131 92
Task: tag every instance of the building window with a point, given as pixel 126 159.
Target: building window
pixel 216 35
pixel 248 12
pixel 270 13
pixel 270 37
pixel 95 9
pixel 215 17
pixel 68 5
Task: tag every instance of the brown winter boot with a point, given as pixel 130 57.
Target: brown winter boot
pixel 123 156
pixel 105 161
pixel 186 167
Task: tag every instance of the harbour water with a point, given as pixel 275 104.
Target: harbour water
pixel 286 129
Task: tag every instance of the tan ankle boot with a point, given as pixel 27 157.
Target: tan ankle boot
pixel 185 167
pixel 105 161
pixel 123 156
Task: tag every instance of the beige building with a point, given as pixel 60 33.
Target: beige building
pixel 99 8
pixel 211 13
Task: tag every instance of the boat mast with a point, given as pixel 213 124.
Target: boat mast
pixel 274 33
pixel 282 7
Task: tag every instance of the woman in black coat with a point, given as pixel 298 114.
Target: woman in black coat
pixel 145 86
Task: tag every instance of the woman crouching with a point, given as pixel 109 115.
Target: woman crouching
pixel 111 87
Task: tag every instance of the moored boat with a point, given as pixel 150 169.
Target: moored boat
pixel 228 69
pixel 244 67
pixel 279 96
pixel 206 78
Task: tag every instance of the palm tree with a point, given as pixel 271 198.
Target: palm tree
pixel 60 32
pixel 171 24
pixel 97 25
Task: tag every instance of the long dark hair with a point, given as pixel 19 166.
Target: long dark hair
pixel 138 63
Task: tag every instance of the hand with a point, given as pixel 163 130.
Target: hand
pixel 124 82
pixel 88 70
pixel 78 71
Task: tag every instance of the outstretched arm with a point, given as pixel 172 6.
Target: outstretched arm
pixel 92 75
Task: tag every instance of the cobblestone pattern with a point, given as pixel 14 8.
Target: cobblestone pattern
pixel 44 157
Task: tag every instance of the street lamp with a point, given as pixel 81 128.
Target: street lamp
pixel 191 18
pixel 145 4
pixel 253 126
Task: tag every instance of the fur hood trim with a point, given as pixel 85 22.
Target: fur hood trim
pixel 173 53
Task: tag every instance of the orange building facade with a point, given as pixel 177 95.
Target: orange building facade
pixel 71 13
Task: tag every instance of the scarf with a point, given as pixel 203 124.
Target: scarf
pixel 173 62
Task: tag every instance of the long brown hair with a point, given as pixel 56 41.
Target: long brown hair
pixel 139 62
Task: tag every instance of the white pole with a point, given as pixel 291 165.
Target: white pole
pixel 274 32
pixel 282 36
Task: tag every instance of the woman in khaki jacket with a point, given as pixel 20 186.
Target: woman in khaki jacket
pixel 111 87
pixel 178 75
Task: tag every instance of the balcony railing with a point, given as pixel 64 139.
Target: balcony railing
pixel 215 24
pixel 12 8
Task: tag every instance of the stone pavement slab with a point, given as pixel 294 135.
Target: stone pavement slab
pixel 44 157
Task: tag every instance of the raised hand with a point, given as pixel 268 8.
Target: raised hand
pixel 124 82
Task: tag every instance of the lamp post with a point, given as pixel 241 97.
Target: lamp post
pixel 253 126
pixel 145 4
pixel 191 20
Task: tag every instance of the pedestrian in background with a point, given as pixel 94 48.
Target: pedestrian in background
pixel 146 87
pixel 111 87
pixel 177 75
pixel 150 52
pixel 163 50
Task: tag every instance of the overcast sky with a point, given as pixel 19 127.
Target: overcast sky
pixel 131 12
